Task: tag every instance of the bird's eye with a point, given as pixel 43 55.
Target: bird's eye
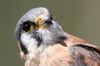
pixel 28 26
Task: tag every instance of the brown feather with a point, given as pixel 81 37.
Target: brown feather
pixel 73 52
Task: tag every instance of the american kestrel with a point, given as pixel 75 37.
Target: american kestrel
pixel 42 42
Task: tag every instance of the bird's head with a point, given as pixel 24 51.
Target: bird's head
pixel 36 30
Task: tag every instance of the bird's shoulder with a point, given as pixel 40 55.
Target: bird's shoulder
pixel 83 52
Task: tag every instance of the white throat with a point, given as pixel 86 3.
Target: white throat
pixel 31 45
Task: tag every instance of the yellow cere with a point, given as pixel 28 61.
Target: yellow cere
pixel 40 20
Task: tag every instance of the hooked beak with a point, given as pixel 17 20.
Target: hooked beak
pixel 44 21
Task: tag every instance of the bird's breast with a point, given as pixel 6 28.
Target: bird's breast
pixel 55 55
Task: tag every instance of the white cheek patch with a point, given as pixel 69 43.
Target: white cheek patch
pixel 30 43
pixel 27 40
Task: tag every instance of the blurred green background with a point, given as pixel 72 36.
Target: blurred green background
pixel 78 17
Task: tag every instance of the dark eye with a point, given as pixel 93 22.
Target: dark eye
pixel 28 26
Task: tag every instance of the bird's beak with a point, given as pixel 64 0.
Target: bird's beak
pixel 44 21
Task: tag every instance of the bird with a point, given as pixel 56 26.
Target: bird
pixel 43 42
